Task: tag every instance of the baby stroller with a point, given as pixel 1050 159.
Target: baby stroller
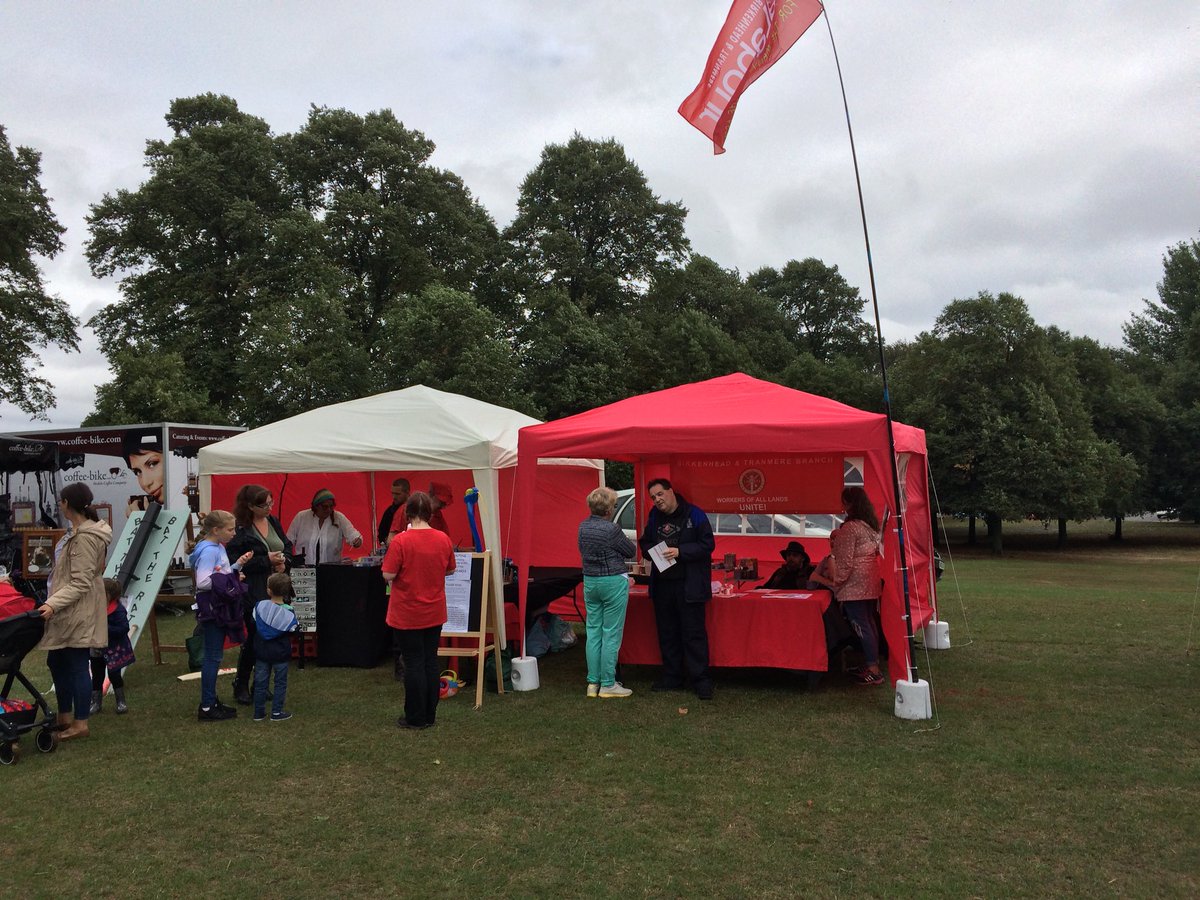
pixel 19 634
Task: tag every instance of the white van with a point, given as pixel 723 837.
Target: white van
pixel 818 525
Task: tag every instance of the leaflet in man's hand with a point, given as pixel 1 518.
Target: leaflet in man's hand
pixel 660 562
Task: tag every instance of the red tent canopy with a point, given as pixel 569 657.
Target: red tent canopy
pixel 734 416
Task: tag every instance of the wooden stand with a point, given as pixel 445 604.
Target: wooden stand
pixel 480 648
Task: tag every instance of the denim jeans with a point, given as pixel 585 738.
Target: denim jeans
pixel 214 650
pixel 70 667
pixel 861 614
pixel 605 598
pixel 262 671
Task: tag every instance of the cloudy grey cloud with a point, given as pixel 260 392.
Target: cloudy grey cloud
pixel 1043 149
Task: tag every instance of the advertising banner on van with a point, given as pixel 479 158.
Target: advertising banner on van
pixel 128 466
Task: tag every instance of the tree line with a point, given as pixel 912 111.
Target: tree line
pixel 263 274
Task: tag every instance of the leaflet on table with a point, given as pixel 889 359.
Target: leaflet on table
pixel 660 561
pixel 458 596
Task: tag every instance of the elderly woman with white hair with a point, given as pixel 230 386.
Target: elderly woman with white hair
pixel 605 551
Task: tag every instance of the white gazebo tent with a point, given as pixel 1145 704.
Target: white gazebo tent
pixel 414 429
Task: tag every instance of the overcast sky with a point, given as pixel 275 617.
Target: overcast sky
pixel 1043 148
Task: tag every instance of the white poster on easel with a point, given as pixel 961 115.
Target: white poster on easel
pixel 458 596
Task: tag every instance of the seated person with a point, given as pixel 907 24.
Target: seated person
pixel 795 571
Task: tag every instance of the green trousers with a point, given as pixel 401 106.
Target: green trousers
pixel 605 598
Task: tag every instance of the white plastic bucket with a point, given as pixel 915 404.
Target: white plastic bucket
pixel 525 673
pixel 937 635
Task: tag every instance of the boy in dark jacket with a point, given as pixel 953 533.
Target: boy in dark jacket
pixel 274 621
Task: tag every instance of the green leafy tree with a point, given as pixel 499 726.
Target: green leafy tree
pixel 1170 327
pixel 756 330
pixel 32 318
pixel 157 388
pixel 1009 435
pixel 220 264
pixel 1126 416
pixel 443 339
pixel 571 361
pixel 1165 345
pixel 588 224
pixel 391 223
pixel 850 380
pixel 823 311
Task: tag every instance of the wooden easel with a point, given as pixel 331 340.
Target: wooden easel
pixel 481 648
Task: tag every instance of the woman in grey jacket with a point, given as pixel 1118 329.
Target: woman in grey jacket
pixel 76 612
pixel 604 550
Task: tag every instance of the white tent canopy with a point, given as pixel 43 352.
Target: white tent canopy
pixel 414 428
pixel 417 428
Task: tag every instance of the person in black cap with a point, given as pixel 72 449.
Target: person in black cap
pixel 795 571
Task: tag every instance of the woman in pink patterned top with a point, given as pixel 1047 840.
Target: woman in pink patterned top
pixel 855 577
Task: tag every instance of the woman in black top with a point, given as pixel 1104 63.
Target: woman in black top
pixel 259 533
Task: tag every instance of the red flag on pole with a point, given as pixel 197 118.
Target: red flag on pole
pixel 756 34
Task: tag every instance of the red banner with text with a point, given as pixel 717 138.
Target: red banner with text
pixel 810 483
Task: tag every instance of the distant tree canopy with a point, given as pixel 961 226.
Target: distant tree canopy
pixel 32 318
pixel 263 275
pixel 1165 345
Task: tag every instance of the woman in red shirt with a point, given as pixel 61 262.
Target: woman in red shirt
pixel 417 563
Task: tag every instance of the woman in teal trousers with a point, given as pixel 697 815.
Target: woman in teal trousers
pixel 605 552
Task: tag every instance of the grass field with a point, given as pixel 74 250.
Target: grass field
pixel 1064 759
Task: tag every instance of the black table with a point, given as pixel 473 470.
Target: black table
pixel 546 584
pixel 352 627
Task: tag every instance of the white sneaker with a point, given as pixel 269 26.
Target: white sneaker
pixel 593 689
pixel 617 690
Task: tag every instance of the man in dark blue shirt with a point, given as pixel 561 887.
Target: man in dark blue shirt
pixel 680 591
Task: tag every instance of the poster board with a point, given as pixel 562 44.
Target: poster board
pixel 472 589
pixel 128 466
pixel 37 551
pixel 304 585
pixel 464 594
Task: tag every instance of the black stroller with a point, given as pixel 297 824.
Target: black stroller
pixel 18 635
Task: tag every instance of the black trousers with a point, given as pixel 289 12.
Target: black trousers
pixel 682 635
pixel 422 672
pixel 99 669
pixel 246 657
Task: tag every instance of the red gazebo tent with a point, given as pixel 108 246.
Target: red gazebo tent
pixel 761 427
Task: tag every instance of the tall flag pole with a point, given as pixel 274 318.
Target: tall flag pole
pixel 755 35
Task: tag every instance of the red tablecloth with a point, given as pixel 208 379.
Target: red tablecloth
pixel 772 629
